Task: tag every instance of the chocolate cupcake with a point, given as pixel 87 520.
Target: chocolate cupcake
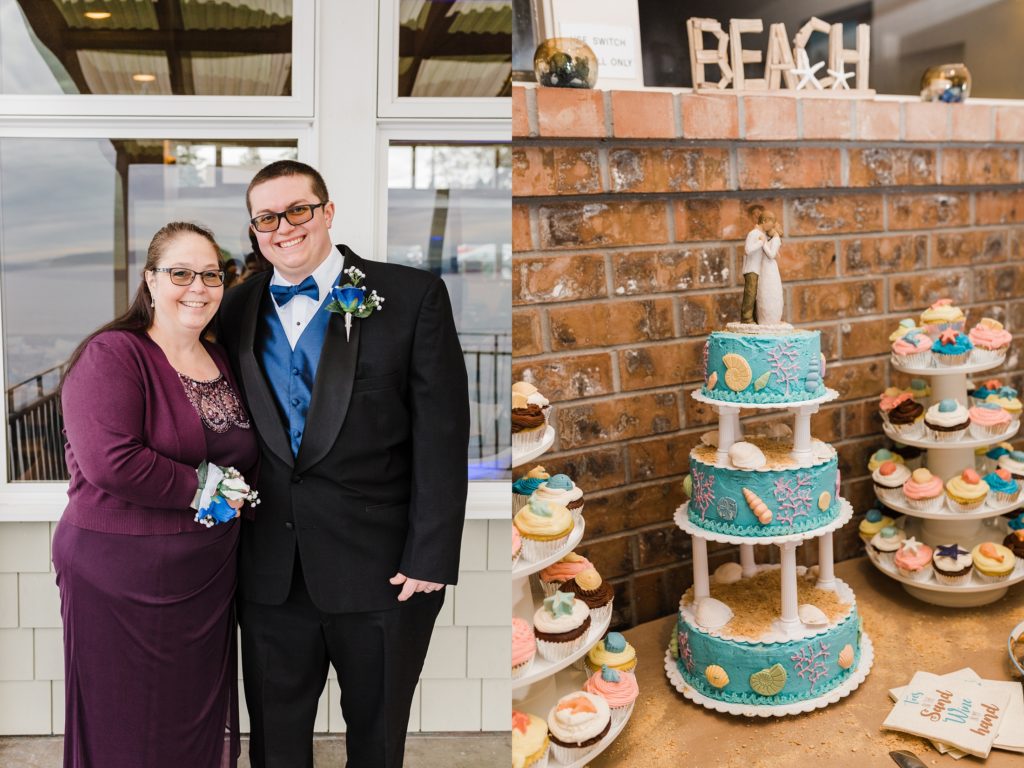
pixel 907 419
pixel 598 594
pixel 1015 543
pixel 528 423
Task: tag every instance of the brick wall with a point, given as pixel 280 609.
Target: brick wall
pixel 629 212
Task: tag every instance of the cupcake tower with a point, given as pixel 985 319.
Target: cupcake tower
pixel 952 547
pixel 573 687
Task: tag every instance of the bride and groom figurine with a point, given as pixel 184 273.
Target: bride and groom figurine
pixel 762 285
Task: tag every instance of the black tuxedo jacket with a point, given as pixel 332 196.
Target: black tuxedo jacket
pixel 379 484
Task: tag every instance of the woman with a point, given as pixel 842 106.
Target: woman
pixel 146 591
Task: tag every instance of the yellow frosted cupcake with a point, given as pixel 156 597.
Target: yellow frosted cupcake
pixel 544 528
pixel 873 522
pixel 529 740
pixel 940 316
pixel 966 492
pixel 613 652
pixel 993 562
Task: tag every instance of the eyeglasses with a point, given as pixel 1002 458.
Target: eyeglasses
pixel 297 214
pixel 212 278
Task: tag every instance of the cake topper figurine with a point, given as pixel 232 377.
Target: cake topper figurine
pixel 762 285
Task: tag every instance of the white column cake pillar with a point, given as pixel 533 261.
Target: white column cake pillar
pixel 789 616
pixel 826 573
pixel 728 431
pixel 802 434
pixel 701 582
pixel 747 560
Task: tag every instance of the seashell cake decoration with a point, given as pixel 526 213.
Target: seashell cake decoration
pixel 812 615
pixel 846 656
pixel 745 455
pixel 716 676
pixel 712 613
pixel 728 573
pixel 737 372
pixel 758 507
pixel 769 681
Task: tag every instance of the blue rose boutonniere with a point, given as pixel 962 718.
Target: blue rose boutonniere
pixel 351 299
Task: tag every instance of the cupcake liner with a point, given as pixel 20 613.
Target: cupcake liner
pixel 893 495
pixel 542 761
pixel 550 587
pixel 560 651
pixel 913 430
pixel 951 360
pixel 916 360
pixel 986 578
pixel 964 506
pixel 528 438
pixel 934 330
pixel 566 755
pixel 1005 498
pixel 980 355
pixel 621 714
pixel 886 558
pixel 927 505
pixel 985 431
pixel 951 581
pixel 516 555
pixel 920 575
pixel 519 501
pixel 947 436
pixel 538 550
pixel 521 669
pixel 602 613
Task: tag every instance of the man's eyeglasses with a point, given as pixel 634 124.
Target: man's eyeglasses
pixel 212 278
pixel 297 214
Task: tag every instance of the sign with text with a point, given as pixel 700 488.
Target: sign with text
pixel 615 47
pixel 612 30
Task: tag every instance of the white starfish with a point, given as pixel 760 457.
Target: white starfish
pixel 912 545
pixel 805 71
pixel 840 79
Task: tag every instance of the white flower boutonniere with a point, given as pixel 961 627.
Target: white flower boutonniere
pixel 351 299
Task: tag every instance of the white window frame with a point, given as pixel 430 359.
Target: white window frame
pixel 299 104
pixel 391 105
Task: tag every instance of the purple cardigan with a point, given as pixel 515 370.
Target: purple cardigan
pixel 134 439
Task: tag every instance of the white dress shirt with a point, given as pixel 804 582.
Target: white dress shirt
pixel 299 312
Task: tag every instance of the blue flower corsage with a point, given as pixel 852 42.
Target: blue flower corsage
pixel 351 299
pixel 219 486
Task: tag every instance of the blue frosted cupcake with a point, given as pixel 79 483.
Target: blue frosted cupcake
pixel 524 487
pixel 952 348
pixel 1003 486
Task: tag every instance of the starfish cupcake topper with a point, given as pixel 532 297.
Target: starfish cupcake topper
pixel 912 545
pixel 948 336
pixel 953 550
pixel 560 604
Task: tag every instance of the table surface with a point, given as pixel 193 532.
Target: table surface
pixel 668 730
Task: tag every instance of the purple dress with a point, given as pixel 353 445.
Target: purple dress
pixel 149 624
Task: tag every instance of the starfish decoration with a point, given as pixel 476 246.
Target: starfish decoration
pixel 805 71
pixel 953 550
pixel 577 705
pixel 560 603
pixel 520 721
pixel 840 79
pixel 912 545
pixel 948 336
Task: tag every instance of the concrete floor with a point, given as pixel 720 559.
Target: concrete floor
pixel 484 750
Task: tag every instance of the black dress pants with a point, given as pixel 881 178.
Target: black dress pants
pixel 378 657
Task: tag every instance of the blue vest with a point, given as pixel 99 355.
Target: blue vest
pixel 289 372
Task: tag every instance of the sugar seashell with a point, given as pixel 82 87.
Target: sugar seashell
pixel 713 614
pixel 778 429
pixel 824 500
pixel 846 656
pixel 758 507
pixel 801 570
pixel 710 439
pixel 737 372
pixel 716 676
pixel 812 573
pixel 812 615
pixel 769 681
pixel 745 455
pixel 712 380
pixel 728 573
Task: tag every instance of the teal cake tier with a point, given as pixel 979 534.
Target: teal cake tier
pixel 800 498
pixel 762 368
pixel 806 669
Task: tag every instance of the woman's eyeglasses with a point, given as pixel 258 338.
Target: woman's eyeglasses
pixel 297 214
pixel 212 278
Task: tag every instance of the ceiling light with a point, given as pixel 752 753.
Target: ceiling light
pixel 98 15
pixel 141 77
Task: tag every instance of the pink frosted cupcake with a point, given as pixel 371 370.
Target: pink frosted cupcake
pixel 988 420
pixel 912 351
pixel 619 689
pixel 556 574
pixel 990 340
pixel 924 491
pixel 889 399
pixel 524 647
pixel 914 560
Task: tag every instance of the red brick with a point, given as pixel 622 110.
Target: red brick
pixel 522 239
pixel 710 116
pixel 972 122
pixel 828 301
pixel 611 556
pixel 1010 124
pixel 788 167
pixel 593 470
pixel 700 314
pixel 829 342
pixel 664 545
pixel 827 215
pixel 670 270
pixel 856 380
pixel 622 418
pixel 643 115
pixel 520 115
pixel 945 209
pixel 926 121
pixel 891 166
pixel 867 337
pixel 652 169
pixel 807 260
pixel 999 207
pixel 769 118
pixel 698 414
pixel 568 378
pixel 827 118
pixel 540 171
pixel 827 424
pixel 610 323
pixel 980 166
pixel 878 120
pixel 978 247
pixel 880 255
pixel 567 112
pixel 720 219
pixel 998 283
pixel 662 457
pixel 533 171
pixel 855 454
pixel 593 225
pixel 559 278
pixel 632 507
pixel 861 419
pixel 915 292
pixel 526 333
pixel 661 365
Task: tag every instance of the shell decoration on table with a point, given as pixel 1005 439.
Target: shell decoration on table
pixel 846 656
pixel 758 507
pixel 717 676
pixel 737 372
pixel 769 681
pixel 812 615
pixel 728 573
pixel 712 613
pixel 744 455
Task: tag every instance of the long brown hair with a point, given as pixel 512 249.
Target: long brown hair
pixel 139 315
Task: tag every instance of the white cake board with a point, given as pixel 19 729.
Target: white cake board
pixel 848 686
pixel 830 394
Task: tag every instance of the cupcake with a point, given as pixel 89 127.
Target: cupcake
pixel 1006 398
pixel 598 594
pixel 990 340
pixel 941 316
pixel 993 454
pixel 907 419
pixel 613 651
pixel 556 574
pixel 1013 462
pixel 1015 543
pixel 889 479
pixel 529 741
pixel 920 390
pixel 912 351
pixel 619 689
pixel 886 542
pixel 887 402
pixel 881 456
pixel 988 420
pixel 913 560
pixel 528 424
pixel 913 457
pixel 523 488
pixel 952 565
pixel 947 420
pixel 966 492
pixel 873 522
pixel 906 326
pixel 532 395
pixel 517 545
pixel 1017 523
pixel 924 491
pixel 1003 487
pixel 561 490
pixel 980 394
pixel 560 626
pixel 545 528
pixel 993 562
pixel 951 348
pixel 577 721
pixel 524 647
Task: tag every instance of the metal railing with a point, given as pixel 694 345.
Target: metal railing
pixel 489 365
pixel 35 428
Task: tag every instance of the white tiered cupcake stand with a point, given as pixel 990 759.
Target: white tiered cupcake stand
pixel 788 626
pixel 968 529
pixel 540 688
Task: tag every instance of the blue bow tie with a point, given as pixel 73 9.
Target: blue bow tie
pixel 284 293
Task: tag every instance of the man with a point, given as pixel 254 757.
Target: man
pixel 362 483
pixel 762 240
